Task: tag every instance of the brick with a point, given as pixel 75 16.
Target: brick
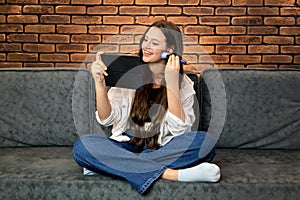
pixel 2 18
pixel 2 1
pixel 247 20
pixel 277 59
pixel 232 11
pixel 215 20
pixel 11 64
pixel 2 37
pixel 262 30
pixel 198 49
pixel 279 20
pixel 184 20
pixel 197 68
pixel 87 19
pixel 71 29
pixel 289 66
pixel 214 39
pixel 102 10
pixel 290 11
pixel 38 9
pixel 245 59
pixel 134 10
pixel 129 49
pixel 216 2
pixel 150 2
pixel 297 40
pixel 133 29
pixel 263 49
pixel 89 2
pixel 10 47
pixel 278 40
pixel 22 19
pixel 201 30
pixel 289 30
pixel 55 19
pixel 147 20
pixel 40 28
pixel 22 1
pixel 11 28
pixel 22 57
pixel 263 11
pixel 22 38
pixel 230 30
pixel 290 49
pixel 214 59
pixel 38 65
pixel 103 29
pixel 54 1
pixel 54 57
pixel 70 9
pixel 190 39
pixel 71 65
pixel 118 2
pixel 230 49
pixel 39 47
pixel 2 56
pixel 86 39
pixel 246 39
pixel 198 11
pixel 54 38
pixel 190 58
pixel 77 57
pixel 118 39
pixel 229 66
pixel 118 20
pixel 183 2
pixel 247 2
pixel 107 48
pixel 10 9
pixel 297 59
pixel 262 66
pixel 166 10
pixel 279 2
pixel 71 48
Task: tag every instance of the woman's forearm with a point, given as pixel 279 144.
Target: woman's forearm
pixel 174 104
pixel 102 102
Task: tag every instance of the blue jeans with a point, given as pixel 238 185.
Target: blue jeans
pixel 101 154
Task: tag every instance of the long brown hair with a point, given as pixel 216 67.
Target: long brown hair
pixel 141 110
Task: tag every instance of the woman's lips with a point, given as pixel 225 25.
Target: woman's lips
pixel 147 53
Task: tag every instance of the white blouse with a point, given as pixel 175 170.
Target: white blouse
pixel 121 100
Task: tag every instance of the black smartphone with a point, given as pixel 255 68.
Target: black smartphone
pixel 125 71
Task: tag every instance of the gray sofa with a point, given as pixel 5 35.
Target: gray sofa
pixel 255 113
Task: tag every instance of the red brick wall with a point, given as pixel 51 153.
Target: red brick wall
pixel 233 33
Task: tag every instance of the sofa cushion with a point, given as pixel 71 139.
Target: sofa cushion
pixel 51 173
pixel 252 108
pixel 45 107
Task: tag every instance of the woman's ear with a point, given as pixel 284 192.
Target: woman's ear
pixel 170 50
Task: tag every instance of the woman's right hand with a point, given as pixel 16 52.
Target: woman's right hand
pixel 99 70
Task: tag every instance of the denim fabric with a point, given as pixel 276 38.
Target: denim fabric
pixel 101 154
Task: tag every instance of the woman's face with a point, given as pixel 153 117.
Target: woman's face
pixel 153 45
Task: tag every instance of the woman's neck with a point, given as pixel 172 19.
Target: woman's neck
pixel 158 74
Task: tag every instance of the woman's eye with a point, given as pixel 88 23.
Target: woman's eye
pixel 155 44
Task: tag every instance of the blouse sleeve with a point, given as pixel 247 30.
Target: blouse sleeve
pixel 116 100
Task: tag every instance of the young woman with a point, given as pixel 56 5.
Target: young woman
pixel 151 136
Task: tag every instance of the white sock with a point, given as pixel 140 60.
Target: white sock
pixel 88 172
pixel 205 172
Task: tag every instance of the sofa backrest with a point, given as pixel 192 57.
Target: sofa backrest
pixel 45 107
pixel 251 108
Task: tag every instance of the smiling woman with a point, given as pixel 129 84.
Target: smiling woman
pixel 152 133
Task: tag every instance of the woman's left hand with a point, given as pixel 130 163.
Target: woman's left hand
pixel 172 70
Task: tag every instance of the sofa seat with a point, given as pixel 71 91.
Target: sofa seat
pixel 26 173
